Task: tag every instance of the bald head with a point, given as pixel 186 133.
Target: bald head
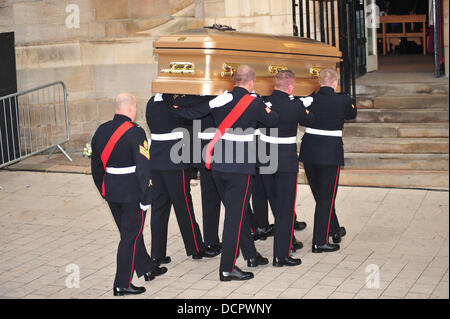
pixel 245 77
pixel 125 104
pixel 329 77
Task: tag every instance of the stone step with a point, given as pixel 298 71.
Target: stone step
pixel 390 178
pixel 416 101
pixel 396 145
pixel 393 161
pixel 395 89
pixel 354 129
pixel 396 130
pixel 402 116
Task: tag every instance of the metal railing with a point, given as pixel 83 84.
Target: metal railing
pixel 32 122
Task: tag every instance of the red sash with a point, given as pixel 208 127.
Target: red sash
pixel 118 133
pixel 228 122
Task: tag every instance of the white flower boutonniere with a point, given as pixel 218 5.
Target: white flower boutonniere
pixel 87 151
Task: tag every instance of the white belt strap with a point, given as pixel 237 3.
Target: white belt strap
pixel 227 136
pixel 278 140
pixel 238 138
pixel 337 133
pixel 121 170
pixel 167 136
pixel 206 136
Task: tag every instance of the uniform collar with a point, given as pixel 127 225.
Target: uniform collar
pixel 120 117
pixel 327 90
pixel 241 90
pixel 278 92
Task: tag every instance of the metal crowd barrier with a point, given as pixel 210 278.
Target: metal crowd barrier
pixel 32 122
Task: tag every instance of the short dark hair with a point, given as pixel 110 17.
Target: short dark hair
pixel 284 78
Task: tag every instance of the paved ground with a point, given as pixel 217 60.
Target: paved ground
pixel 52 221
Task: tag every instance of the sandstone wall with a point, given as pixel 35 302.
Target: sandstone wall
pixel 110 52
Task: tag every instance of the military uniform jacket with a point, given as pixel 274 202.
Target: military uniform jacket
pixel 163 121
pixel 128 176
pixel 257 112
pixel 330 110
pixel 291 112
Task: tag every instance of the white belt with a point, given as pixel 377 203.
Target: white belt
pixel 337 133
pixel 167 136
pixel 278 140
pixel 206 136
pixel 121 170
pixel 227 136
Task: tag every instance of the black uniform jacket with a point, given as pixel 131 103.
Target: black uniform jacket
pixel 330 111
pixel 130 150
pixel 257 112
pixel 291 112
pixel 162 119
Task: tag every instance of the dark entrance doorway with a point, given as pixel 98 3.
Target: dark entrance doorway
pixel 9 132
pixel 338 23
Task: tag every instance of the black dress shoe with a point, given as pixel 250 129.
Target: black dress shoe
pixel 197 255
pixel 268 230
pixel 299 225
pixel 289 261
pixel 163 260
pixel 211 251
pixel 338 236
pixel 236 274
pixel 257 261
pixel 257 236
pixel 296 245
pixel 132 290
pixel 158 271
pixel 325 248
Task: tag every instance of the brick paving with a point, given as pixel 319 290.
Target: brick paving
pixel 50 221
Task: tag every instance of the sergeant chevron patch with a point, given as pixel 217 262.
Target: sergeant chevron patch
pixel 144 150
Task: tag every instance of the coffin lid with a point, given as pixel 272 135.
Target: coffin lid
pixel 245 41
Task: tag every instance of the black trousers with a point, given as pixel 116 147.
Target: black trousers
pixel 131 253
pixel 235 191
pixel 260 216
pixel 283 192
pixel 172 187
pixel 210 207
pixel 324 182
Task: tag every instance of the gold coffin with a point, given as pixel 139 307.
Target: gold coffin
pixel 202 61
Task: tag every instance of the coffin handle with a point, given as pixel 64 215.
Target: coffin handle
pixel 274 69
pixel 180 68
pixel 315 72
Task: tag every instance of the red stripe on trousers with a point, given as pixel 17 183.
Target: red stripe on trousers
pixel 134 249
pixel 240 224
pixel 293 216
pixel 189 211
pixel 332 203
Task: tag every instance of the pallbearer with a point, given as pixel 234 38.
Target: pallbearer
pixel 171 185
pixel 282 185
pixel 232 169
pixel 121 172
pixel 322 154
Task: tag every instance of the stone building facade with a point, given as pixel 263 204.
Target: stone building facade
pixel 111 49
